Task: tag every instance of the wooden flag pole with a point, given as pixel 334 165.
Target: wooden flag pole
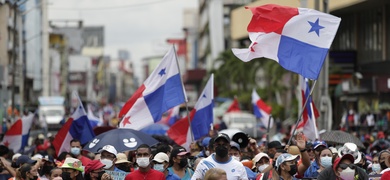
pixel 186 99
pixel 301 113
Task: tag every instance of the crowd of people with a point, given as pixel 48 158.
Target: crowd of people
pixel 211 158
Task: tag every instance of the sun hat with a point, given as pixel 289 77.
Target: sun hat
pixel 350 148
pixel 121 158
pixel 72 163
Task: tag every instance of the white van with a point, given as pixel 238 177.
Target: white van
pixel 51 111
pixel 239 120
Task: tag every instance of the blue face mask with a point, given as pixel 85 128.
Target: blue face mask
pixel 75 151
pixel 159 167
pixel 326 161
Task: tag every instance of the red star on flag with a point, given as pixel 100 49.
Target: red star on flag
pixel 126 120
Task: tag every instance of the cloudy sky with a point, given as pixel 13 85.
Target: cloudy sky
pixel 141 27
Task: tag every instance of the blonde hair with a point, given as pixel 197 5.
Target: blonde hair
pixel 214 174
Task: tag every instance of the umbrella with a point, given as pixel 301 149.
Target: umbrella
pixel 156 129
pixel 122 139
pixel 380 144
pixel 340 137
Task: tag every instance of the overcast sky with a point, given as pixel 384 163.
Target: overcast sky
pixel 141 27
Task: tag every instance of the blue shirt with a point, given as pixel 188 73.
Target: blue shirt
pixel 172 176
pixel 117 170
pixel 250 173
pixel 312 171
pixel 188 174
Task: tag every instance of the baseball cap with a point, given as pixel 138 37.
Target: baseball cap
pixel 161 157
pixel 121 158
pixel 222 136
pixel 275 144
pixel 339 159
pixel 206 141
pixel 350 148
pixel 24 159
pixel 235 145
pixel 317 144
pixel 259 156
pixel 37 157
pixel 48 158
pixel 16 156
pixel 178 151
pixel 285 157
pixel 93 165
pixel 110 149
pixel 72 163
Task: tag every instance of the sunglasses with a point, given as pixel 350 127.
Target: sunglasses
pixel 345 166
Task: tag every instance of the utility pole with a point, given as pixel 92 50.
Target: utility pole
pixel 14 58
pixel 45 51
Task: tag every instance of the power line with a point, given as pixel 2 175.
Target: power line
pixel 110 8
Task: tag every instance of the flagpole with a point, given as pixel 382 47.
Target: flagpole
pixel 186 99
pixel 268 128
pixel 301 113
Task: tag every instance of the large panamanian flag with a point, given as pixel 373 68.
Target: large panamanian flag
pixel 297 38
pixel 162 90
pixel 261 110
pixel 201 118
pixel 16 138
pixel 76 127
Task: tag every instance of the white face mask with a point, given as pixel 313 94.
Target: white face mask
pixel 262 167
pixel 159 167
pixel 143 162
pixel 347 174
pixel 376 167
pixel 326 161
pixel 236 158
pixel 106 162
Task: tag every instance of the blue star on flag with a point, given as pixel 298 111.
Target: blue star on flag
pixel 315 26
pixel 204 95
pixel 162 72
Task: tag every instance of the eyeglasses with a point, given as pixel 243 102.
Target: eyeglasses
pixel 345 166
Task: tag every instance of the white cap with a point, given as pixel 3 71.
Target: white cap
pixel 258 157
pixel 36 157
pixel 161 157
pixel 110 149
pixel 16 156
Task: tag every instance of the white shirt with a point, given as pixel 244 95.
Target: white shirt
pixel 234 169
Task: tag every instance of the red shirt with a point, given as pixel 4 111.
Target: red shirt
pixel 150 175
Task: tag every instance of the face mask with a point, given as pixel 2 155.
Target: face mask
pixel 221 151
pixel 159 167
pixel 262 167
pixel 236 158
pixel 183 162
pixel 326 161
pixel 66 176
pixel 383 165
pixel 35 178
pixel 143 162
pixel 123 167
pixel 106 162
pixel 75 151
pixel 293 170
pixel 347 174
pixel 376 167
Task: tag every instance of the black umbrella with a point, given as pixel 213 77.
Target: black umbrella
pixel 122 139
pixel 340 137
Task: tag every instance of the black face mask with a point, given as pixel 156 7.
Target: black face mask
pixel 35 178
pixel 293 170
pixel 221 151
pixel 271 155
pixel 66 176
pixel 101 174
pixel 383 165
pixel 123 167
pixel 183 162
